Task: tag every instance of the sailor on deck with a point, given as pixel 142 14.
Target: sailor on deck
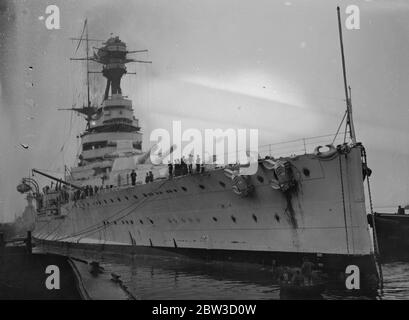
pixel 190 163
pixel 133 177
pixel 401 210
pixel 170 169
pixel 198 164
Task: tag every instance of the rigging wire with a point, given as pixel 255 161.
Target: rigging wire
pixel 96 227
pixel 339 127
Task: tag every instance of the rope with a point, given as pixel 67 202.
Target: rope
pixel 339 127
pixel 96 227
pixel 374 233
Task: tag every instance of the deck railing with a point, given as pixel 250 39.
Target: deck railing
pixel 300 146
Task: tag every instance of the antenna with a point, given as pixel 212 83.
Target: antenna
pixel 87 55
pixel 87 109
pixel 350 122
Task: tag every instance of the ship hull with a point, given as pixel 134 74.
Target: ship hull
pixel 392 231
pixel 200 216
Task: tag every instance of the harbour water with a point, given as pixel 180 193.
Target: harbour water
pixel 160 278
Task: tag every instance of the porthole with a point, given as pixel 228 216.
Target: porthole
pixel 126 198
pixel 184 189
pixel 201 186
pixel 183 220
pixel 222 184
pixel 150 220
pixel 141 222
pixel 260 179
pixel 112 200
pixel 105 201
pixel 306 172
pixel 276 216
pixel 214 219
pixel 119 199
pixel 233 218
pixel 145 195
pixel 131 221
pixel 175 190
pixel 254 217
pixel 135 196
pixel 114 222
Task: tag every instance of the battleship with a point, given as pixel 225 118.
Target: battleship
pixel 304 205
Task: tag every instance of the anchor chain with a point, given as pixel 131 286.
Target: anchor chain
pixel 374 233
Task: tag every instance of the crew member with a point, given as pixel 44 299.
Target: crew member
pixel 197 164
pixel 306 270
pixel 133 177
pixel 401 210
pixel 190 162
pixel 297 279
pixel 170 168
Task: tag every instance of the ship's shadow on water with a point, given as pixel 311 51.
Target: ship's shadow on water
pixel 167 278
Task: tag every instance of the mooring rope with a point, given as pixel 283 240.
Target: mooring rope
pixel 374 233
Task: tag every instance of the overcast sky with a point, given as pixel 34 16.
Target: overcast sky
pixel 271 65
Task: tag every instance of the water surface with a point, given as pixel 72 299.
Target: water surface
pixel 152 277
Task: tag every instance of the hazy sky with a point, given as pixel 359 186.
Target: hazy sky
pixel 271 65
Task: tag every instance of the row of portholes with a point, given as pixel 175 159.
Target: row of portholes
pixel 234 219
pixel 126 222
pixel 172 220
pixel 98 202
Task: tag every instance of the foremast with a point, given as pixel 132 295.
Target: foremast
pixel 112 130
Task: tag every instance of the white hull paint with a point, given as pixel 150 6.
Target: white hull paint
pixel 327 215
